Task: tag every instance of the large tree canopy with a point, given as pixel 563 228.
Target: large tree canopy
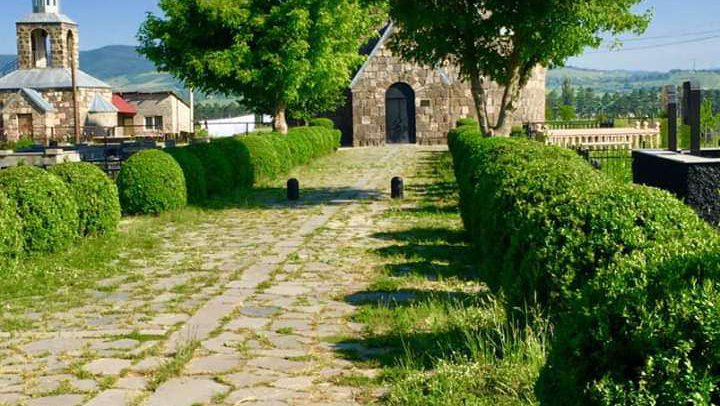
pixel 504 40
pixel 277 55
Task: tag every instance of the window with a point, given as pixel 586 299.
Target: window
pixel 154 123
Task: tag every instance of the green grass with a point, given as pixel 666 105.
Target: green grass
pixel 174 366
pixel 432 326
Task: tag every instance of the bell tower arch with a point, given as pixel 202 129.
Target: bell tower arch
pixel 46 38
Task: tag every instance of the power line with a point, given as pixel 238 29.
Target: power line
pixel 655 46
pixel 676 35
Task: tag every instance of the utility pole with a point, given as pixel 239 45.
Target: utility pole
pixel 76 107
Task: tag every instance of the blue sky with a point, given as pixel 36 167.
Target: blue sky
pixel 111 22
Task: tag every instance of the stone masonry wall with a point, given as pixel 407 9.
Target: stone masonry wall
pixel 58 124
pixel 440 99
pixel 58 35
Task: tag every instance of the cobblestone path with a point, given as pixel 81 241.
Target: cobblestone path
pixel 244 309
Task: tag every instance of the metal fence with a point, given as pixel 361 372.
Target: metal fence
pixel 615 162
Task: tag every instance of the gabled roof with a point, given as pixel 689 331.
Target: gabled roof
pixel 122 105
pixel 385 34
pixel 100 105
pixel 43 18
pixel 48 78
pixel 37 99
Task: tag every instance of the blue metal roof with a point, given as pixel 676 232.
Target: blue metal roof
pixel 42 18
pixel 100 105
pixel 37 99
pixel 48 78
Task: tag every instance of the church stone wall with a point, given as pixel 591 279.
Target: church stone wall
pixel 59 124
pixel 440 99
pixel 58 34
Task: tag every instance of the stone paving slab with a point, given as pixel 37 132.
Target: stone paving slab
pixel 259 290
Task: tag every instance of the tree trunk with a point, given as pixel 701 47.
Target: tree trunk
pixel 480 99
pixel 511 95
pixel 280 120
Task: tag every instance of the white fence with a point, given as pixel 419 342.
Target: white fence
pixel 627 138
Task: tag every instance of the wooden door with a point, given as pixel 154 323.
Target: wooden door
pixel 25 125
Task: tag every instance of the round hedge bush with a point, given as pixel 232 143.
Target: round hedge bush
pixel 47 209
pixel 322 122
pixel 218 170
pixel 151 182
pixel 194 172
pixel 465 122
pixel 95 194
pixel 11 237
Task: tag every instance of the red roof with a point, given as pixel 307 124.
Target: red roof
pixel 122 105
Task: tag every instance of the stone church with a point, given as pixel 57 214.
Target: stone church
pixel 394 101
pixel 37 99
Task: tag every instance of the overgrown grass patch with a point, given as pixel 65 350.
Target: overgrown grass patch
pixel 429 321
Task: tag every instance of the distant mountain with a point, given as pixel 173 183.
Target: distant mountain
pixel 123 68
pixel 625 81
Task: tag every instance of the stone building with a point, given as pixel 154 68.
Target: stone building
pixel 37 99
pixel 161 112
pixel 394 101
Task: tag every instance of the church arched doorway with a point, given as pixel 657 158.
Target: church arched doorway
pixel 400 114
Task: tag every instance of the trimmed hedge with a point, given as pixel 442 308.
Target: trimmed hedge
pixel 544 221
pixel 614 266
pixel 218 170
pixel 640 334
pixel 151 182
pixel 322 122
pixel 467 122
pixel 238 157
pixel 273 155
pixel 47 209
pixel 95 194
pixel 194 173
pixel 11 237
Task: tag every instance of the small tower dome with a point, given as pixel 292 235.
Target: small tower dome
pixel 46 6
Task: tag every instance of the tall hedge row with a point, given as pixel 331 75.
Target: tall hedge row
pixel 615 266
pixel 233 163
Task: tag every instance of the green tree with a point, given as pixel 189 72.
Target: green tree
pixel 567 92
pixel 505 40
pixel 277 56
pixel 709 122
pixel 567 113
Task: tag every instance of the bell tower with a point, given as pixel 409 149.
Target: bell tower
pixel 46 6
pixel 46 38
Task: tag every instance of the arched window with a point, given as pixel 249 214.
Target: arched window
pixel 41 48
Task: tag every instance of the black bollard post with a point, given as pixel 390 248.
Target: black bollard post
pixel 397 188
pixel 672 113
pixel 293 189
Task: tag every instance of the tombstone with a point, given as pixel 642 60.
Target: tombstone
pixel 686 103
pixel 694 103
pixel 672 114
